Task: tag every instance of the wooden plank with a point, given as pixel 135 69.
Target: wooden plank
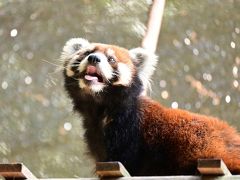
pixel 15 171
pixel 111 169
pixel 212 167
pixel 136 178
pixel 69 179
pixel 236 177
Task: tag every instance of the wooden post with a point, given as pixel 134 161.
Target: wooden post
pixel 212 167
pixel 15 171
pixel 111 169
pixel 150 39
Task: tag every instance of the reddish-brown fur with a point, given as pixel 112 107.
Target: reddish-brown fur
pixel 121 54
pixel 187 136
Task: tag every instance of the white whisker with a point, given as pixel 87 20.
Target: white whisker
pixel 57 65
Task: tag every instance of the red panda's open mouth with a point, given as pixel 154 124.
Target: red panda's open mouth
pixel 92 75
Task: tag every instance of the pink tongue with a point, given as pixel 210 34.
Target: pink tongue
pixel 91 78
pixel 91 69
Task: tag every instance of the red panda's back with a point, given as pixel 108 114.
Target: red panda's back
pixel 185 137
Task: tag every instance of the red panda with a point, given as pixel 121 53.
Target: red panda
pixel 105 83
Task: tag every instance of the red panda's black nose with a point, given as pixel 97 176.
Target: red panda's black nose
pixel 94 59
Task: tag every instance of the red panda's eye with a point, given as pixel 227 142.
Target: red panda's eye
pixel 87 53
pixel 111 60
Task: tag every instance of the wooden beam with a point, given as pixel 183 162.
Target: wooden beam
pixel 150 39
pixel 15 171
pixel 212 167
pixel 138 178
pixel 111 169
pixel 235 177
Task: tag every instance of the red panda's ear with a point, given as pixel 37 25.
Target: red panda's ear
pixel 73 45
pixel 145 62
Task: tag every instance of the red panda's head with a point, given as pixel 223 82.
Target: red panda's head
pixel 96 66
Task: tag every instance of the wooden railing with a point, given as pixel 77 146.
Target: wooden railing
pixel 212 169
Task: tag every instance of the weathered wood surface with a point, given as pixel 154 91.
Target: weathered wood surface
pixel 111 169
pixel 160 178
pixel 15 171
pixel 140 178
pixel 212 167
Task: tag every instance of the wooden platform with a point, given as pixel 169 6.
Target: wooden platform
pixel 210 169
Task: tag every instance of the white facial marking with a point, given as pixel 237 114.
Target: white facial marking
pixel 110 52
pixel 82 85
pixel 104 67
pixel 97 87
pixel 93 87
pixel 82 66
pixel 69 72
pixel 125 75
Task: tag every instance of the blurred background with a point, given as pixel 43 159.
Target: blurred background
pixel 198 70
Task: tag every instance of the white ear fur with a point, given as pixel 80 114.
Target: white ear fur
pixel 145 62
pixel 73 45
